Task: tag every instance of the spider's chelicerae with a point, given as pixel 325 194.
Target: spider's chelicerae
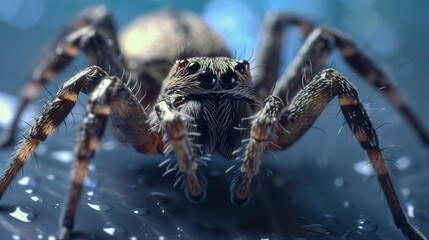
pixel 203 103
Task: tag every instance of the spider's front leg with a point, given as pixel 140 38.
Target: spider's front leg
pixel 263 127
pixel 109 97
pixel 304 109
pixel 175 133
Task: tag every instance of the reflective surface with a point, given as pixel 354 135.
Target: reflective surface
pixel 321 188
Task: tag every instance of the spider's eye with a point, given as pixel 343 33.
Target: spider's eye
pixel 183 63
pixel 241 66
pixel 207 78
pixel 228 80
pixel 193 67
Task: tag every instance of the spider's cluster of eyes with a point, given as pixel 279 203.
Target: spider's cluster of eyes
pixel 228 79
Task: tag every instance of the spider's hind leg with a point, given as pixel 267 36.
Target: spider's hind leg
pixel 78 34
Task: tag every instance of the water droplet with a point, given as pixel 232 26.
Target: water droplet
pixel 364 167
pixel 36 198
pixel 323 162
pixel 346 204
pixel 418 209
pixel 339 182
pixel 141 211
pixel 99 205
pixel 22 213
pixel 133 238
pixel 64 156
pixel 51 237
pixel 94 196
pixel 29 183
pixel 159 198
pixel 403 163
pixel 16 237
pixel 365 226
pixel 163 210
pixel 161 238
pixel 113 229
pixel 329 219
pixel 91 182
pixel 317 228
pixel 58 205
pixel 40 234
pixel 50 177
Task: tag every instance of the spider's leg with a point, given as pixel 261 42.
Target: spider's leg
pixel 307 106
pixel 175 132
pixel 53 113
pixel 267 60
pixel 63 50
pixel 110 98
pixel 312 57
pixel 262 129
pixel 372 73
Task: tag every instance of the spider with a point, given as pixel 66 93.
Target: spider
pixel 204 102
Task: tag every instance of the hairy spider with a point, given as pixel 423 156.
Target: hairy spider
pixel 206 102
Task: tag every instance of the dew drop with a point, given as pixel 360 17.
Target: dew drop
pixel 403 163
pixel 22 213
pixel 365 226
pixel 28 182
pixel 339 182
pixel 159 198
pixel 91 182
pixel 50 177
pixel 317 228
pixel 418 209
pixel 64 156
pixel 58 206
pixel 99 205
pixel 113 229
pixel 141 211
pixel 363 167
pixel 346 204
pixel 330 219
pixel 40 234
pixel 93 196
pixel 36 198
pixel 16 237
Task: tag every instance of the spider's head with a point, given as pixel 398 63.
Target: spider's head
pixel 209 76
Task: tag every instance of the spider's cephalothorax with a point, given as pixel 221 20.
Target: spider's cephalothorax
pixel 206 103
pixel 216 94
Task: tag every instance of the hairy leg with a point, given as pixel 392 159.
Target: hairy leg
pixel 297 118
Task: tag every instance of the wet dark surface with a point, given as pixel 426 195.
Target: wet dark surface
pixel 321 187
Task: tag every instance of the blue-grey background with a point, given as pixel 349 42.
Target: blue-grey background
pixel 322 179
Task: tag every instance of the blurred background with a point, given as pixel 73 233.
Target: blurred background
pixel 322 187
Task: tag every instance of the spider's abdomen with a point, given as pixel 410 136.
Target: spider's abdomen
pixel 168 35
